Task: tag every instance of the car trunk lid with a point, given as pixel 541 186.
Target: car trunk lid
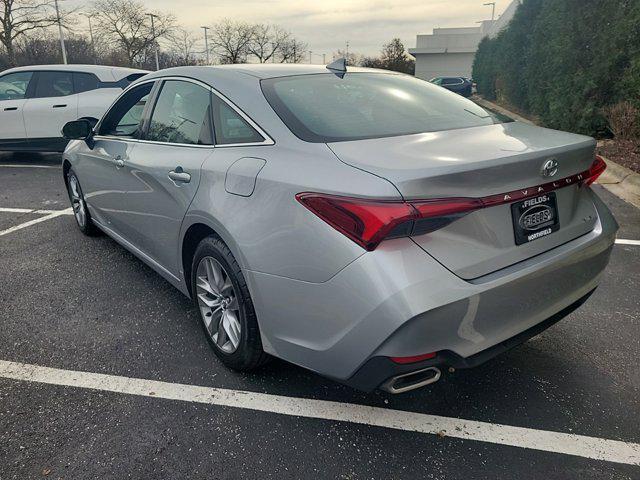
pixel 482 162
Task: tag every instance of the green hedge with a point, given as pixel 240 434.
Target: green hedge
pixel 563 60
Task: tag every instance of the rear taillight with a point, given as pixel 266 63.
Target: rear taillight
pixel 597 168
pixel 367 222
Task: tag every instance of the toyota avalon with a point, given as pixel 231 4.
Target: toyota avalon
pixel 364 224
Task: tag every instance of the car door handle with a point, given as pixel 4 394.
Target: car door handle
pixel 10 109
pixel 61 105
pixel 179 176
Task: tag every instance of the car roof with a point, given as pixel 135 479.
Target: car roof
pixel 257 70
pixel 104 73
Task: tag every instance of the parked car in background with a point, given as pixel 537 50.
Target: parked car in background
pixel 36 101
pixel 363 224
pixel 460 85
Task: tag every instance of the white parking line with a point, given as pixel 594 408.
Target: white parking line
pixel 622 241
pixel 29 166
pixel 49 215
pixel 556 442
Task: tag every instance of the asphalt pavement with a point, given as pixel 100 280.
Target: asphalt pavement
pixel 82 304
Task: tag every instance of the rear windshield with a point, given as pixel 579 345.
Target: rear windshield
pixel 327 108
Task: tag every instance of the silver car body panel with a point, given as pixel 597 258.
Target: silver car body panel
pixel 321 300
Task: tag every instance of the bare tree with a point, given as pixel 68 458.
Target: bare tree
pixel 181 43
pixel 267 41
pixel 126 23
pixel 352 58
pixel 230 41
pixel 19 17
pixel 293 51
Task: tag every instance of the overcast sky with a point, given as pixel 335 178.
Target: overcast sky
pixel 326 25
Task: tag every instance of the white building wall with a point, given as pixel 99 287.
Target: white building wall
pixel 450 51
pixel 430 65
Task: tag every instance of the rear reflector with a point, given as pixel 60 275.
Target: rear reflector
pixel 414 359
pixel 367 222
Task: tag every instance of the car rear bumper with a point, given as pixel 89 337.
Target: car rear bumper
pixel 397 301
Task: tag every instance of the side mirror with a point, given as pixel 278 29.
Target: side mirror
pixel 79 130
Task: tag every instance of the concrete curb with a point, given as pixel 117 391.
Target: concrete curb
pixel 619 180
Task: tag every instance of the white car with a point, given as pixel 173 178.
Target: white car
pixel 36 101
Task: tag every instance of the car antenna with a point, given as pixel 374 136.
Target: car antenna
pixel 339 67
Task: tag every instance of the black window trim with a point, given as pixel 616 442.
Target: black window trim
pixel 146 116
pixel 267 139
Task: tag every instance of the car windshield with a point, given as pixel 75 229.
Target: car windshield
pixel 327 108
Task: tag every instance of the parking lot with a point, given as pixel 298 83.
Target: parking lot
pixel 153 402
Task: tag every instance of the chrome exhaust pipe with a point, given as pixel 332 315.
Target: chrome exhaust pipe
pixel 412 380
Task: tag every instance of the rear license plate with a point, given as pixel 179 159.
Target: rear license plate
pixel 535 218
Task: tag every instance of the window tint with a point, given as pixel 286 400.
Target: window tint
pixel 124 117
pixel 14 85
pixel 54 84
pixel 327 108
pixel 182 114
pixel 231 127
pixel 452 81
pixel 83 82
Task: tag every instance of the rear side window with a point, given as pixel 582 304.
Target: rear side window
pixel 182 114
pixel 327 108
pixel 54 84
pixel 84 82
pixel 230 127
pixel 13 86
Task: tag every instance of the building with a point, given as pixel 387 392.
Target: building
pixel 449 52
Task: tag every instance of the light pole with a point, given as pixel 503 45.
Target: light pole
pixel 153 34
pixel 493 9
pixel 93 44
pixel 64 50
pixel 206 42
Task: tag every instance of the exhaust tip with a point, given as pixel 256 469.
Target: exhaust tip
pixel 412 380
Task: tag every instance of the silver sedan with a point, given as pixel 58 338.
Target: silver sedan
pixel 363 224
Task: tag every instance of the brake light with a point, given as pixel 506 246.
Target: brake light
pixel 597 168
pixel 367 222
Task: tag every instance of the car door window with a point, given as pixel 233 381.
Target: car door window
pixel 13 86
pixel 54 84
pixel 230 127
pixel 452 81
pixel 182 114
pixel 84 82
pixel 124 118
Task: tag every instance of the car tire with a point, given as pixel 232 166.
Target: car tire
pixel 245 353
pixel 79 206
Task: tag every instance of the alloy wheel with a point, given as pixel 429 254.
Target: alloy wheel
pixel 77 202
pixel 218 304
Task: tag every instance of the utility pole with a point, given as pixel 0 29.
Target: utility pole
pixel 310 55
pixel 493 9
pixel 206 42
pixel 93 43
pixel 64 50
pixel 324 58
pixel 273 52
pixel 153 34
pixel 347 49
